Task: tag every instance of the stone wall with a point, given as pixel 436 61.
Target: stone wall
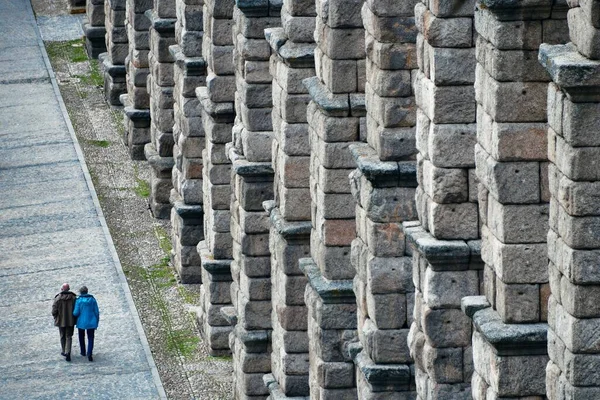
pixel 189 72
pixel 216 98
pixel 117 49
pixel 335 113
pixel 382 199
pixel 136 101
pixel 251 174
pixel 292 60
pixel 574 118
pixel 383 186
pixel 159 151
pixel 511 159
pixel 445 246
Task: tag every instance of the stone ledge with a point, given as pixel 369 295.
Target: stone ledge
pixel 331 292
pixel 254 341
pixel 114 70
pixel 259 8
pixel 295 55
pixel 94 33
pixel 246 168
pixel 510 10
pixel 578 76
pixel 193 66
pixel 164 26
pixel 381 377
pixel 506 339
pixel 220 270
pixel 443 255
pixel 192 214
pixel 294 230
pixel 158 163
pixel 383 173
pixel 334 105
pixel 220 112
pixel 139 117
pixel 276 392
pixel 298 55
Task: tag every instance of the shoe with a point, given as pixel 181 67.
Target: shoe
pixel 63 354
pixel 68 355
pixel 82 354
pixel 90 358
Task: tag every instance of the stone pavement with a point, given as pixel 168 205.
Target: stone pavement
pixel 52 230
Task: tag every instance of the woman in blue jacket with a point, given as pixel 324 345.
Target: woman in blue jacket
pixel 88 315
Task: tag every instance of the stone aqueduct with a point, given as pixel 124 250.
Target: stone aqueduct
pixel 383 199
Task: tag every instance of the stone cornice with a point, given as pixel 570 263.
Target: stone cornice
pixel 577 75
pixel 330 291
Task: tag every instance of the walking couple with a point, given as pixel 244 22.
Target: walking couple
pixel 68 310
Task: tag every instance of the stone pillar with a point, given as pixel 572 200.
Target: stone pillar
pixel 445 245
pixel 159 152
pixel 573 239
pixel 137 100
pixel 187 214
pixel 252 184
pixel 384 193
pixel 335 116
pixel 384 190
pixel 291 62
pixel 509 347
pixel 93 28
pixel 117 49
pixel 217 120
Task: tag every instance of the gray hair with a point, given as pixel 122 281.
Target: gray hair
pixel 83 290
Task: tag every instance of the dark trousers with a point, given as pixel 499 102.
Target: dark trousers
pixel 66 338
pixel 90 335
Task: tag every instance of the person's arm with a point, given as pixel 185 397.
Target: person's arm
pixel 96 310
pixel 55 307
pixel 76 309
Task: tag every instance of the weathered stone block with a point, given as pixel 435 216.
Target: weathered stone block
pixel 446 289
pixel 444 32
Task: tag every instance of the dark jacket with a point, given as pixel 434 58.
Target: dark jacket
pixel 86 311
pixel 62 309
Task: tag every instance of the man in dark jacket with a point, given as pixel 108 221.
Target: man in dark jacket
pixel 62 311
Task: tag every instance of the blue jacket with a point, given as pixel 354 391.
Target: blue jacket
pixel 87 312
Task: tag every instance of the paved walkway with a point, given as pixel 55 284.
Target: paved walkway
pixel 51 231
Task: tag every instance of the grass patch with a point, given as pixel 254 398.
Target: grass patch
pixel 187 295
pixel 99 143
pixel 183 341
pixel 162 274
pixel 76 51
pixel 179 342
pixel 117 118
pixel 164 241
pixel 94 77
pixel 73 50
pixel 142 187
